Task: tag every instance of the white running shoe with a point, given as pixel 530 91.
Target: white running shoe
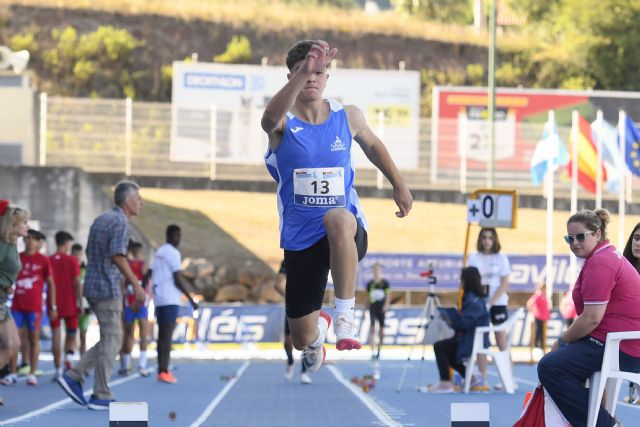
pixel 346 333
pixel 10 379
pixel 314 357
pixel 32 380
pixel 288 372
pixel 144 372
pixel 305 378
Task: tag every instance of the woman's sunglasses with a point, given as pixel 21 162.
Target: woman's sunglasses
pixel 569 238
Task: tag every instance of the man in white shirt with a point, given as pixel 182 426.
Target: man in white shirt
pixel 167 296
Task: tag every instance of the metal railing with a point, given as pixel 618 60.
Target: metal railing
pixel 134 138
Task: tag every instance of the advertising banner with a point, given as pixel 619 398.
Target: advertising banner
pixel 402 271
pixel 265 323
pixel 217 108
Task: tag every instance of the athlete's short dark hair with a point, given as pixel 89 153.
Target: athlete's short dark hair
pixel 298 52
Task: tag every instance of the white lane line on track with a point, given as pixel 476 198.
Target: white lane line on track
pixel 380 414
pixel 209 409
pixel 59 403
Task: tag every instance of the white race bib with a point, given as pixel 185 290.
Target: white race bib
pixel 319 187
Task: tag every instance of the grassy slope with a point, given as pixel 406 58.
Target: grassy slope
pixel 252 220
pixel 275 15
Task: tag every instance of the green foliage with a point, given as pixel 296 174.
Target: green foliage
pixel 238 51
pixel 475 75
pixel 447 11
pixel 23 42
pixel 97 63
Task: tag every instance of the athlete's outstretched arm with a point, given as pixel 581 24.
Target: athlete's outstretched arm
pixel 378 154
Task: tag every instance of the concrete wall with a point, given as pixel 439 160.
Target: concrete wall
pixel 17 120
pixel 59 199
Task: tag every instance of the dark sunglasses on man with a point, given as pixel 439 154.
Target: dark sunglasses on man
pixel 580 237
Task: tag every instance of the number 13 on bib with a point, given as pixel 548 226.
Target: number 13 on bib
pixel 319 187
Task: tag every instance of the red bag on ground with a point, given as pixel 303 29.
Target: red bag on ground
pixel 541 411
pixel 533 412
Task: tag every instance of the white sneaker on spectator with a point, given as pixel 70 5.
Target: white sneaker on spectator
pixel 346 333
pixel 10 379
pixel 305 378
pixel 32 380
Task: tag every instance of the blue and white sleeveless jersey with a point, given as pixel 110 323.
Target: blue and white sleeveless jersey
pixel 314 171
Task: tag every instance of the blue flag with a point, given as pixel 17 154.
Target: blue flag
pixel 549 146
pixel 632 146
pixel 611 158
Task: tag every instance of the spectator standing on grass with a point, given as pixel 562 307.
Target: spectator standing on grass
pixel 13 224
pixel 107 263
pixel 607 296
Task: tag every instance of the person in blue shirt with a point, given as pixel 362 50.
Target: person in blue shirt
pixel 453 352
pixel 322 226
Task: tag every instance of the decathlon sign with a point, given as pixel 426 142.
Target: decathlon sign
pixel 216 110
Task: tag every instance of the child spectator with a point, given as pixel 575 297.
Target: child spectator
pixel 538 306
pixel 26 307
pixel 133 312
pixel 66 272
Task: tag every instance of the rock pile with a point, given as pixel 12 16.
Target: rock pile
pixel 223 284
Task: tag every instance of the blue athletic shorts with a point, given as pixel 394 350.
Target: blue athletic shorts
pixel 27 319
pixel 130 316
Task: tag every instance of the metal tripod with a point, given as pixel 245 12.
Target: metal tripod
pixel 427 315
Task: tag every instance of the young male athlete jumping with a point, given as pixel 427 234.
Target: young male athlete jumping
pixel 322 226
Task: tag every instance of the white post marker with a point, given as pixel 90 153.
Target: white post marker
pixel 469 415
pixel 128 414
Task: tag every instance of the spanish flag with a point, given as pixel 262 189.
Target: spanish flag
pixel 587 156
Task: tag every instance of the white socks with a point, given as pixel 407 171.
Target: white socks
pixel 345 307
pixel 142 362
pixel 322 333
pixel 125 362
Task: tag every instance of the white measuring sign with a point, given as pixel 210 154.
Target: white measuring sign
pixel 493 209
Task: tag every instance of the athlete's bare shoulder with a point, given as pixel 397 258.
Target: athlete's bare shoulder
pixel 356 119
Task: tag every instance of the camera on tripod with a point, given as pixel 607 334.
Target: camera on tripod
pixel 431 278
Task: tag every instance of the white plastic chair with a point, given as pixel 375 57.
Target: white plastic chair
pixel 501 358
pixel 609 377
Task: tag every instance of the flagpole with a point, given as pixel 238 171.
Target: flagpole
pixel 622 137
pixel 550 194
pixel 463 144
pixel 574 185
pixel 600 127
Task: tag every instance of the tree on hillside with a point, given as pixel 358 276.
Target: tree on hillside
pixel 595 42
